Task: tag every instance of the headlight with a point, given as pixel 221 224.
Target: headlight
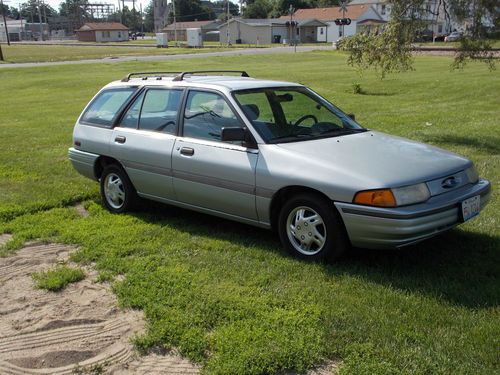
pixel 411 194
pixel 472 174
pixel 402 196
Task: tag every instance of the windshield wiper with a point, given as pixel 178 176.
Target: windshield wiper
pixel 289 137
pixel 343 131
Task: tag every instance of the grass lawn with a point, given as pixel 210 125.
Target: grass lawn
pixel 20 53
pixel 225 294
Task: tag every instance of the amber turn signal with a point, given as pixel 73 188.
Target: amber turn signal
pixel 380 198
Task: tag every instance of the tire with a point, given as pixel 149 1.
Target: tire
pixel 310 228
pixel 117 191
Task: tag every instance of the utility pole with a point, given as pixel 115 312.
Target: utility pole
pixel 5 25
pixel 343 6
pixel 175 23
pixel 228 32
pixel 40 19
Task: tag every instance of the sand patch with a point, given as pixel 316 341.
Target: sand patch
pixel 78 330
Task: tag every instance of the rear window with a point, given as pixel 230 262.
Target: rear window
pixel 106 106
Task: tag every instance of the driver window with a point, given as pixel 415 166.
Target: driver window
pixel 206 114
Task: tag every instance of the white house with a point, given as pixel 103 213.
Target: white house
pixel 362 16
pixel 432 12
pixel 273 30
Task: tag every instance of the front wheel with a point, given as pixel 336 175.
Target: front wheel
pixel 310 228
pixel 117 191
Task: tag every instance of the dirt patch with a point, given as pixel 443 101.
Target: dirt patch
pixel 81 210
pixel 77 330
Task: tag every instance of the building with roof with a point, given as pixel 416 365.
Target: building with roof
pixel 363 18
pixel 432 14
pixel 102 32
pixel 208 30
pixel 383 7
pixel 273 30
pixel 21 30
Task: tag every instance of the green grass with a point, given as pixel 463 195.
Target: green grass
pixel 225 294
pixel 19 53
pixel 57 278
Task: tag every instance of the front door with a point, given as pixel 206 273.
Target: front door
pixel 321 34
pixel 209 173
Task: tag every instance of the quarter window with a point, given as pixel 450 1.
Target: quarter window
pixel 104 109
pixel 131 118
pixel 206 114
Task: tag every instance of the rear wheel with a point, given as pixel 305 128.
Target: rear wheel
pixel 310 228
pixel 117 191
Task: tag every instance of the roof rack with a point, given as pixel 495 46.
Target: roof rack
pixel 157 74
pixel 180 77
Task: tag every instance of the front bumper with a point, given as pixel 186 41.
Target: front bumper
pixel 382 228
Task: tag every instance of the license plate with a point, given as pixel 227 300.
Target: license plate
pixel 471 207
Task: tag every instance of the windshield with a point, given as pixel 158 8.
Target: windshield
pixel 293 114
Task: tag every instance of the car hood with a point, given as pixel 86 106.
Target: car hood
pixel 377 159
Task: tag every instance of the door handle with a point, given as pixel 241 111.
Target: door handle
pixel 120 139
pixel 188 151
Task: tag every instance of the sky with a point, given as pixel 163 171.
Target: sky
pixel 55 3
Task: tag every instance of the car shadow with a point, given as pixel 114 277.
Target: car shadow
pixel 457 266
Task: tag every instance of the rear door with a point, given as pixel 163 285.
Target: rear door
pixel 144 139
pixel 207 172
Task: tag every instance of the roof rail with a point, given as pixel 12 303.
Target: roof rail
pixel 181 76
pixel 157 74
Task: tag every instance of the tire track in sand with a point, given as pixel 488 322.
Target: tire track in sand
pixel 77 330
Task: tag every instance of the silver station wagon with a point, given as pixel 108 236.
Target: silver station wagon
pixel 271 154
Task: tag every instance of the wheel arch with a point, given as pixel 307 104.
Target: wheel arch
pixel 280 197
pixel 102 162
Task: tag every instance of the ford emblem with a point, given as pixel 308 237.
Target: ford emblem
pixel 449 182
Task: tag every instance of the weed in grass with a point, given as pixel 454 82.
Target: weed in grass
pixel 57 278
pixel 105 276
pixel 357 89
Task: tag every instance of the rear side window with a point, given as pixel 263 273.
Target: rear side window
pixel 105 108
pixel 159 110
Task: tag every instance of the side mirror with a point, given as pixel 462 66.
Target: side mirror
pixel 238 134
pixel 233 134
pixel 352 116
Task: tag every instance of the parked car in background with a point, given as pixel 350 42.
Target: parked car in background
pixel 270 154
pixel 453 37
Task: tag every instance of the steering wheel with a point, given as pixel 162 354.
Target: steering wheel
pixel 305 117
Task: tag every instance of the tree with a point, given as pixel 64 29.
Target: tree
pixel 389 49
pixel 257 9
pixel 282 7
pixel 149 18
pixel 9 11
pixel 29 10
pixel 220 8
pixel 191 10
